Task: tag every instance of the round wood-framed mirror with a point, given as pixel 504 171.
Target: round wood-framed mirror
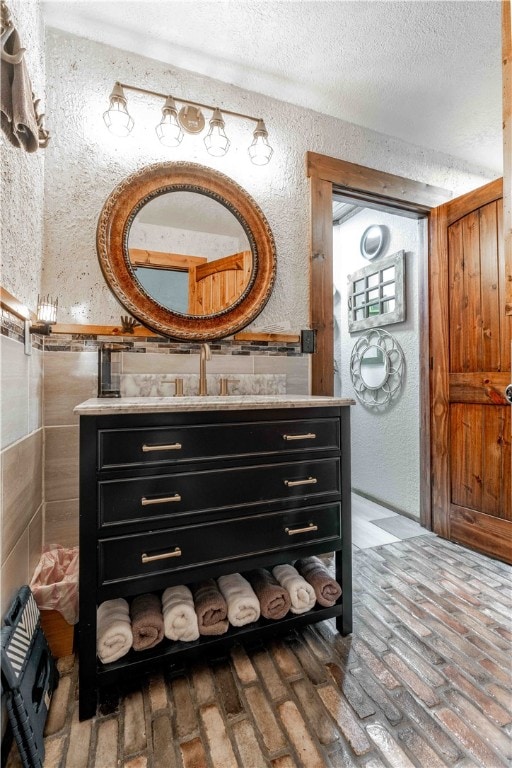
pixel 182 224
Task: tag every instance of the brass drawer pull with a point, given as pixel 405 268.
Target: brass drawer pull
pixel 307 481
pixel 293 531
pixel 150 558
pixel 170 447
pixel 307 436
pixel 162 500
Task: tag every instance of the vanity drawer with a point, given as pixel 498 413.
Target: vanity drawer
pixel 195 442
pixel 160 497
pixel 183 548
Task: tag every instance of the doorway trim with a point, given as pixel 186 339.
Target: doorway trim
pixel 327 175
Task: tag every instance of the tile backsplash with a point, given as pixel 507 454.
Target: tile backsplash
pixel 162 385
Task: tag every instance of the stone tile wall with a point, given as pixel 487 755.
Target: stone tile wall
pixel 21 457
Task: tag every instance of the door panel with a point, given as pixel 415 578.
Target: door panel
pixel 470 368
pixel 480 464
pixel 490 299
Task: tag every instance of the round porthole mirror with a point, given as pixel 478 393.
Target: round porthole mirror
pixel 373 241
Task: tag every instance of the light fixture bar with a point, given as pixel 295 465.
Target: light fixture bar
pixel 186 101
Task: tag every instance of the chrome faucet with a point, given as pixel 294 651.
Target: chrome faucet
pixel 204 355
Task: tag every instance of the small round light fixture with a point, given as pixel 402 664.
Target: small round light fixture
pixel 373 241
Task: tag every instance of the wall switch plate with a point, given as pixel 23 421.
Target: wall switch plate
pixel 308 341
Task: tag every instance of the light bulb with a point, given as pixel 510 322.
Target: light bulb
pixel 117 118
pixel 260 150
pixel 168 129
pixel 216 141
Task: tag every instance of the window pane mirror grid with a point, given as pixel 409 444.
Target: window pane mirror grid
pixel 377 294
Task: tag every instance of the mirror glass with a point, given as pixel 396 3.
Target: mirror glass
pixel 377 367
pixel 373 241
pixel 190 253
pixel 374 367
pixel 377 294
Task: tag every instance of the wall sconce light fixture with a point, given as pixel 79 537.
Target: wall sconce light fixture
pixel 216 141
pixel 189 119
pixel 260 150
pixel 46 317
pixel 116 118
pixel 168 129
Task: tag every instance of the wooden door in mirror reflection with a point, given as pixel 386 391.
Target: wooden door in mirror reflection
pixel 217 285
pixel 211 287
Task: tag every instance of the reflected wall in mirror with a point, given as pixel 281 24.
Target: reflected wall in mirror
pixel 187 251
pixel 377 368
pixel 190 253
pixel 374 367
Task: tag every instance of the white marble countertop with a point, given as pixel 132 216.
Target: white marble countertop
pixel 98 406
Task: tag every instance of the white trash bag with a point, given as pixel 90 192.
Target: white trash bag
pixel 55 582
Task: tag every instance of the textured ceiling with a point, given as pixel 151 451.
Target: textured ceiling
pixel 426 72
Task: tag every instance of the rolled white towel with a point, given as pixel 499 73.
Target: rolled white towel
pixel 301 592
pixel 243 605
pixel 114 636
pixel 180 619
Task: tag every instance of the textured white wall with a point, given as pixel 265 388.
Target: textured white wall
pixel 85 162
pixel 385 444
pixel 183 241
pixel 21 206
pixel 23 176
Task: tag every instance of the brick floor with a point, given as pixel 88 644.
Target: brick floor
pixel 423 682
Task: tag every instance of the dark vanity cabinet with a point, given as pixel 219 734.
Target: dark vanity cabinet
pixel 177 496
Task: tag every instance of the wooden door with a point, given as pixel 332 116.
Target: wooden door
pixel 217 284
pixel 470 346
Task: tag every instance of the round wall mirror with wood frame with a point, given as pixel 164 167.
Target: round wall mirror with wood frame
pixel 119 269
